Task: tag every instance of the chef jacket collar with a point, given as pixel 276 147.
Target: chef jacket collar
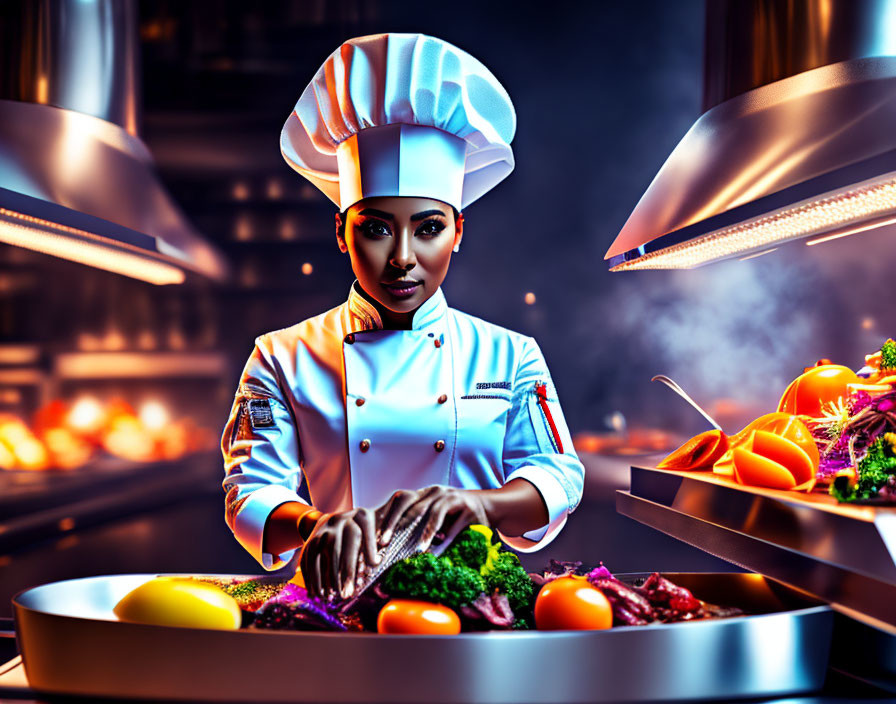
pixel 364 316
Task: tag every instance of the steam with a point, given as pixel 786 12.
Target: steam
pixel 738 330
pixel 735 329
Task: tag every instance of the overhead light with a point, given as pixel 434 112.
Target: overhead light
pixel 883 222
pixel 796 139
pixel 837 216
pixel 87 248
pixel 71 157
pixel 130 253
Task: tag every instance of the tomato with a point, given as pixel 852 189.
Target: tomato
pixel 421 617
pixel 572 604
pixel 810 392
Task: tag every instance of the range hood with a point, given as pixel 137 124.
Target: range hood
pixel 797 139
pixel 76 181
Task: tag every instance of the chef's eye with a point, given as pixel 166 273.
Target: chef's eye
pixel 430 228
pixel 375 229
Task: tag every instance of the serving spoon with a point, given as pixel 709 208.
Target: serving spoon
pixel 681 392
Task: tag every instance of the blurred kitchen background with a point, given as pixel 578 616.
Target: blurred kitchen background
pixel 113 390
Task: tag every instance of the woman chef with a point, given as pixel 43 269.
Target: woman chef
pixel 393 405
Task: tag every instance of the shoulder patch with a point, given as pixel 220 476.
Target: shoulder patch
pixel 260 415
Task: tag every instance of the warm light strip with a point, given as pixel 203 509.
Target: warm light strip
pixel 94 365
pixel 851 231
pixel 90 249
pixel 759 254
pixel 814 217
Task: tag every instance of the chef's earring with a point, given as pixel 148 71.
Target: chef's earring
pixel 457 248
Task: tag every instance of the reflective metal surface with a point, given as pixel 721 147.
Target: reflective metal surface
pixel 842 554
pixel 799 103
pixel 815 133
pixel 71 645
pixel 750 44
pixel 69 112
pixel 80 56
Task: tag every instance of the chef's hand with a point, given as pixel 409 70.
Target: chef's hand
pixel 338 551
pixel 513 509
pixel 442 508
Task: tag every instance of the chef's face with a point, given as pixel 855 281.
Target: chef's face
pixel 400 247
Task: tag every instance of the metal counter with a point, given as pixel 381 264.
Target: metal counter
pixel 72 645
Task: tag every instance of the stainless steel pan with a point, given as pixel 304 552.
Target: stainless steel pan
pixel 72 644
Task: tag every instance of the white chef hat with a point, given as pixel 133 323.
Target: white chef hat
pixel 401 115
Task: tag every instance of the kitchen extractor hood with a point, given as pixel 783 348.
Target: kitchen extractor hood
pixel 76 181
pixel 798 137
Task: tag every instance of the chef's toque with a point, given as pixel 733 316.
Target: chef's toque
pixel 401 115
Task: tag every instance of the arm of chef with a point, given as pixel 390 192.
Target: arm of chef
pixel 261 456
pixel 538 448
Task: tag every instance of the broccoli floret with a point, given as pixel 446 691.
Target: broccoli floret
pixel 509 577
pixel 429 578
pixel 842 489
pixel 469 549
pixel 888 355
pixel 875 468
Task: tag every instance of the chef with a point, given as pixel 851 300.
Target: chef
pixel 394 405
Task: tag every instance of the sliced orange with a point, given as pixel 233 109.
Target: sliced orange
pixel 761 423
pixel 786 453
pixel 795 430
pixel 700 452
pixel 756 470
pixel 725 464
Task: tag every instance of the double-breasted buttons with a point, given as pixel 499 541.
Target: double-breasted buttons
pixel 439 445
pixel 365 445
pixel 350 338
pixel 359 401
pixel 443 398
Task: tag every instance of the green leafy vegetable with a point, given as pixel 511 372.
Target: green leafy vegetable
pixel 509 577
pixel 469 549
pixel 875 468
pixel 429 578
pixel 888 355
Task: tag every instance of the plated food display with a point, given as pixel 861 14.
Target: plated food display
pixel 72 642
pixel 472 586
pixel 834 430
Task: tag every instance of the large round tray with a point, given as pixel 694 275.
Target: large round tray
pixel 72 644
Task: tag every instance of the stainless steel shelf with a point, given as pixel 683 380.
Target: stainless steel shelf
pixel 841 554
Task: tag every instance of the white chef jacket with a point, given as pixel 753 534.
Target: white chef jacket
pixel 348 413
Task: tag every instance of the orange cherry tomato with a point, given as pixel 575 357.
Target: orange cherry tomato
pixel 810 392
pixel 572 604
pixel 420 617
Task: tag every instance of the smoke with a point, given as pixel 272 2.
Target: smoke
pixel 740 330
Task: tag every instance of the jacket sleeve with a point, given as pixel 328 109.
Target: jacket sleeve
pixel 260 446
pixel 538 448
